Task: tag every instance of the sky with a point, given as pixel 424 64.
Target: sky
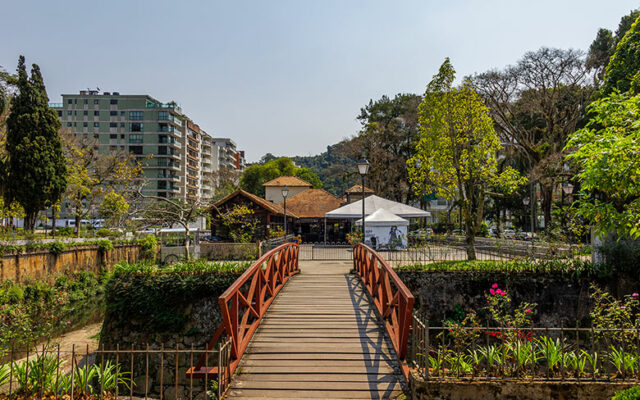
pixel 285 77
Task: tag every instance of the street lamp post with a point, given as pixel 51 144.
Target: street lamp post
pixel 363 169
pixel 285 193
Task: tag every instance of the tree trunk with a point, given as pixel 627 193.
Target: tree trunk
pixel 30 218
pixel 77 230
pixel 471 247
pixel 547 203
pixel 187 243
pixel 53 225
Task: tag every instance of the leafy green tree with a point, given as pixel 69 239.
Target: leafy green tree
pixel 604 45
pixel 35 172
pixel 456 153
pixel 606 155
pixel 536 104
pixel 92 175
pixel 256 175
pixel 335 167
pixel 623 71
pixel 387 139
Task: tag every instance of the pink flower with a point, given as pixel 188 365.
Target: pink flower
pixel 527 311
pixel 622 307
pixel 499 291
pixel 635 295
pixel 503 293
pixel 492 291
pixel 494 286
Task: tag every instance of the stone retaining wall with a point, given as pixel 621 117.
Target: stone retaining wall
pixel 42 264
pixel 512 390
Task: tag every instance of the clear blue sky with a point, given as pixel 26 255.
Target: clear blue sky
pixel 286 77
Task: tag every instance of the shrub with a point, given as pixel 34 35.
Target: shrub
pixel 624 255
pixel 56 248
pixel 633 393
pixel 561 266
pixel 149 246
pixel 38 310
pixel 104 232
pixel 104 246
pixel 151 299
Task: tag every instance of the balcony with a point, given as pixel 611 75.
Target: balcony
pixel 56 105
pixel 172 106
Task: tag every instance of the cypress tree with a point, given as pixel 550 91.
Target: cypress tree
pixel 35 171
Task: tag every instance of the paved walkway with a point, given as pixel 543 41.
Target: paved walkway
pixel 319 339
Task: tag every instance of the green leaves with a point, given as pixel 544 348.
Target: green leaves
pixel 607 154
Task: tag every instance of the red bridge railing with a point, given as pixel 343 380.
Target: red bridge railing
pixel 246 301
pixel 391 297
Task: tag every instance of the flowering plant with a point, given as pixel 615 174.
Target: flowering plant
pixel 499 309
pixel 620 318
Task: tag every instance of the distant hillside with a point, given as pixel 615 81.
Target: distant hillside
pixel 335 168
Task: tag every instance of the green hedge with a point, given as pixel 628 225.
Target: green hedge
pixel 37 310
pixel 152 299
pixel 633 393
pixel 57 247
pixel 561 266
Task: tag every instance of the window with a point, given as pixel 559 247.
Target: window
pixel 113 124
pixel 95 136
pixel 135 138
pixel 113 101
pixel 122 113
pixel 121 124
pixel 113 136
pixel 85 112
pixel 136 115
pixel 162 139
pixel 59 113
pixel 135 150
pixel 74 124
pixel 86 101
pixel 85 124
pixel 163 115
pixel 121 136
pixel 162 150
pixel 162 184
pixel 69 112
pixel 163 128
pixel 96 113
pixel 113 113
pixel 70 101
pixel 96 101
pixel 162 194
pixel 69 124
pixel 96 124
pixel 135 127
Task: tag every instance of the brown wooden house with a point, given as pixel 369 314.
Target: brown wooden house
pixel 269 215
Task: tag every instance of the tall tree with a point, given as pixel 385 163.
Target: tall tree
pixel 256 175
pixel 387 139
pixel 456 153
pixel 92 175
pixel 606 155
pixel 536 104
pixel 604 45
pixel 36 170
pixel 623 71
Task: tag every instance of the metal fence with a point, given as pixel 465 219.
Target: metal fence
pixel 147 372
pixel 454 248
pixel 528 353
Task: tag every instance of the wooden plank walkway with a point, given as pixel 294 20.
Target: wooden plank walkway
pixel 319 339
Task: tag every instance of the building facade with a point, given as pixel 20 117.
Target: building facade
pixel 177 156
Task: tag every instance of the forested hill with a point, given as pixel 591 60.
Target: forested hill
pixel 335 167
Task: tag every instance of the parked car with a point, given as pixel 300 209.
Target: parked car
pixel 211 239
pixel 458 232
pixel 509 234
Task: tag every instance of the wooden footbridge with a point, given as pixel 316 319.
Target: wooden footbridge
pixel 313 331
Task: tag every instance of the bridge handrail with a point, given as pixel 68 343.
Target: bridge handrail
pixel 390 295
pixel 242 312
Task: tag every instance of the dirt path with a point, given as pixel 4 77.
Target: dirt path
pixel 85 341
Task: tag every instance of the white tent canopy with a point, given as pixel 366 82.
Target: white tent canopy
pixel 371 205
pixel 382 217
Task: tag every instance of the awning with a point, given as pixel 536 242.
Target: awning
pixel 374 203
pixel 383 217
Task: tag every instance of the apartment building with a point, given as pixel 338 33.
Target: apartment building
pixel 177 156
